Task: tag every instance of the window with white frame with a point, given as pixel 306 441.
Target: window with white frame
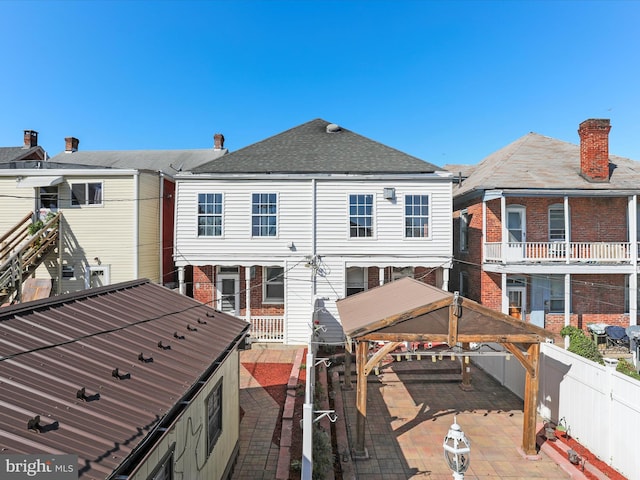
pixel 356 280
pixel 164 469
pixel 86 193
pixel 273 285
pixel 416 216
pixel 68 271
pixel 264 214
pixel 361 216
pixel 464 231
pixel 214 415
pixel 556 223
pixel 209 214
pixel 556 294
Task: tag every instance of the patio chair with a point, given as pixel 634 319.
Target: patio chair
pixel 616 336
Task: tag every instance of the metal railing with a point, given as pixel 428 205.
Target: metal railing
pixel 560 252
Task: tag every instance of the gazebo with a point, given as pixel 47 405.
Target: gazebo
pixel 411 311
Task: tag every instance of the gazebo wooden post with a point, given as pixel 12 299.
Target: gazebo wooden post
pixel 361 398
pixel 531 400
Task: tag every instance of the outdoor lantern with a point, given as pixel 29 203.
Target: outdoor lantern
pixel 457 450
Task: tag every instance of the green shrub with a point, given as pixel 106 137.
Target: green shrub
pixel 322 454
pixel 582 344
pixel 627 368
pixel 35 227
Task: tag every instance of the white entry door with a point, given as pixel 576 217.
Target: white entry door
pixel 516 233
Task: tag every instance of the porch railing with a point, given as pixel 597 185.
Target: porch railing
pixel 267 329
pixel 558 252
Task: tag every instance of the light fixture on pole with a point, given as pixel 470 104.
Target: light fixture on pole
pixel 457 450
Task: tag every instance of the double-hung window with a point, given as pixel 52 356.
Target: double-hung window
pixel 273 285
pixel 356 280
pixel 360 215
pixel 86 193
pixel 214 415
pixel 416 216
pixel 264 214
pixel 464 231
pixel 209 214
pixel 556 294
pixel 556 223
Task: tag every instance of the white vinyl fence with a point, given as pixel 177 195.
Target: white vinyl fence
pixel 599 406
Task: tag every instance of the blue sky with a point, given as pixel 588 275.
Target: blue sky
pixel 446 81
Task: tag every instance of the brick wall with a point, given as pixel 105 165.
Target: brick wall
pixel 203 286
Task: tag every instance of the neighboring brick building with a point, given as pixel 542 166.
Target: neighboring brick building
pixel 567 252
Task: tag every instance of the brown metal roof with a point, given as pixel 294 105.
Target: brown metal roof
pixel 51 348
pixel 407 309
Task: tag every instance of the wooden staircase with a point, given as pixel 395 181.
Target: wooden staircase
pixel 22 251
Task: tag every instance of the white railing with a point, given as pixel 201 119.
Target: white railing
pixel 267 329
pixel 573 252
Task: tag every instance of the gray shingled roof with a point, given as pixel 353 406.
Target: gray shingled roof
pixel 11 154
pixel 168 161
pixel 51 348
pixel 309 148
pixel 537 162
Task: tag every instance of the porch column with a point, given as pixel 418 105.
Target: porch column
pixel 381 275
pixel 445 278
pixel 247 294
pixel 505 231
pixel 633 278
pixel 181 286
pixel 531 401
pixel 505 294
pixel 567 252
pixel 361 398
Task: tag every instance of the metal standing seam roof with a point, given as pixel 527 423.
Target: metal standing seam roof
pixel 49 349
pixel 536 162
pixel 310 148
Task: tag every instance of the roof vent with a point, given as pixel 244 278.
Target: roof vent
pixel 333 128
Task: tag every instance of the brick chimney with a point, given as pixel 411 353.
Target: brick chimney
pixel 218 141
pixel 594 149
pixel 30 138
pixel 71 144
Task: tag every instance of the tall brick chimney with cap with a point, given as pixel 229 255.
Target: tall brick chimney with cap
pixel 594 149
pixel 218 141
pixel 30 138
pixel 71 144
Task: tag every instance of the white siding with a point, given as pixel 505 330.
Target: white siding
pixel 15 203
pixel 333 246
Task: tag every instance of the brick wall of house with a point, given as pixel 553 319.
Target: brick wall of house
pixel 203 286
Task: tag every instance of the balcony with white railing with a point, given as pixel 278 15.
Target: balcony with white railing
pixel 558 252
pixel 267 329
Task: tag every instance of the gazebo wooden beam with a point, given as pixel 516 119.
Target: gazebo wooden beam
pixel 361 398
pixel 524 360
pixel 377 357
pixel 444 337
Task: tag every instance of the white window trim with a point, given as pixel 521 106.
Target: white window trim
pixel 556 206
pixel 277 214
pixel 211 443
pixel 276 301
pixel 87 205
pixel 222 215
pixel 364 279
pixel 373 217
pixel 404 216
pixel 464 231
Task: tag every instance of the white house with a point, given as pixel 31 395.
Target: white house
pixel 278 231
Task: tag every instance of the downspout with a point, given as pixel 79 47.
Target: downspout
pixel 136 224
pixel 633 278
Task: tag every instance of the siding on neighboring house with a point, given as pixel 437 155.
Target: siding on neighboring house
pixel 148 243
